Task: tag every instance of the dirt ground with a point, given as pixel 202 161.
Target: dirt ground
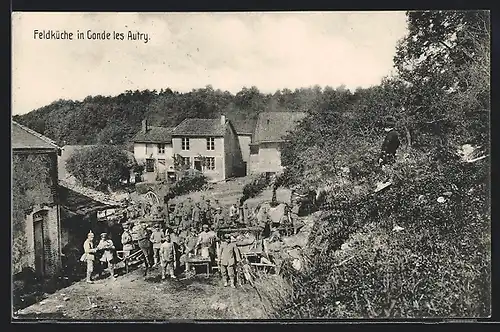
pixel 132 297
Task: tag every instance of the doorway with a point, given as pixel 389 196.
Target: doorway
pixel 39 221
pixel 197 165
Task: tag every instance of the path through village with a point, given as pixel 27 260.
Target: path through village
pixel 132 297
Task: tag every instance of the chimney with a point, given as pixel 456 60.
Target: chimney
pixel 144 125
pixel 222 119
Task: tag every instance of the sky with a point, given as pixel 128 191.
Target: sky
pixel 187 51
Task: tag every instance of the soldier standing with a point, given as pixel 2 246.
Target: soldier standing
pixel 196 216
pixel 89 255
pixel 229 257
pixel 108 256
pixel 168 257
pixel 127 241
pixel 390 145
pixel 145 245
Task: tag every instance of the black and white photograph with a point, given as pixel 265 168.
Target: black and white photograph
pixel 250 166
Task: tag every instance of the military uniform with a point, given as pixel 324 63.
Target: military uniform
pixel 168 258
pixel 88 257
pixel 108 255
pixel 156 238
pixel 229 257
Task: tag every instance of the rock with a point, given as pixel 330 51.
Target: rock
pixel 66 298
pixel 448 193
pixel 441 199
pixel 344 246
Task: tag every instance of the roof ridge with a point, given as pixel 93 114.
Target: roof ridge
pixel 89 192
pixel 37 134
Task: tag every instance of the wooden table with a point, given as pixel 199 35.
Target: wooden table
pixel 255 230
pixel 196 261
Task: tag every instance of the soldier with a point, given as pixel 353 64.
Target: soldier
pixel 108 253
pixel 156 238
pixel 219 220
pixel 233 213
pixel 127 241
pixel 196 215
pixel 145 245
pixel 229 257
pixel 168 257
pixel 246 214
pixel 206 241
pixel 209 213
pixel 89 255
pixel 390 145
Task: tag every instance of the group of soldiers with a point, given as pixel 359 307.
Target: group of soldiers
pixel 188 214
pixel 165 248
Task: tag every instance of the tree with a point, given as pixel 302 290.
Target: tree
pixel 444 60
pixel 99 167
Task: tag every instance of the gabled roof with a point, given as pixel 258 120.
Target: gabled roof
pixel 154 135
pixel 244 127
pixel 83 200
pixel 25 138
pixel 200 127
pixel 273 126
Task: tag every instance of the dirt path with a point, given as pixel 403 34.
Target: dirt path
pixel 131 297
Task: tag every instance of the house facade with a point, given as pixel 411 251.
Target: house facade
pixel 244 130
pixel 210 146
pixel 268 139
pixel 35 223
pixel 153 149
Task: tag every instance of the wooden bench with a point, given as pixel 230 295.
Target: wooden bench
pixel 127 260
pixel 199 262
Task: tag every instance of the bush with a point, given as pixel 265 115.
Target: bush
pixel 99 167
pixel 256 186
pixel 439 265
pixel 190 180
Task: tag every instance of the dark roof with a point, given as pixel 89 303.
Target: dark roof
pixel 79 203
pixel 245 126
pixel 154 135
pixel 25 138
pixel 273 126
pixel 200 127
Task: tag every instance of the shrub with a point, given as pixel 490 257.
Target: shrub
pixel 256 186
pixel 191 180
pixel 100 166
pixel 439 265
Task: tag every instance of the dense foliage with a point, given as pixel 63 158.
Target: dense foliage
pixel 190 180
pixel 420 248
pixel 256 185
pixel 116 119
pixel 99 167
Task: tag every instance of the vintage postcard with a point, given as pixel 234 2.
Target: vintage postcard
pixel 250 165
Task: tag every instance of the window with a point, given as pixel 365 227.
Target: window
pixel 210 143
pixel 185 143
pixel 150 165
pixel 161 148
pixel 210 163
pixel 254 149
pixel 186 161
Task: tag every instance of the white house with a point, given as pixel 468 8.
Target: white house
pixel 269 135
pixel 210 146
pixel 153 149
